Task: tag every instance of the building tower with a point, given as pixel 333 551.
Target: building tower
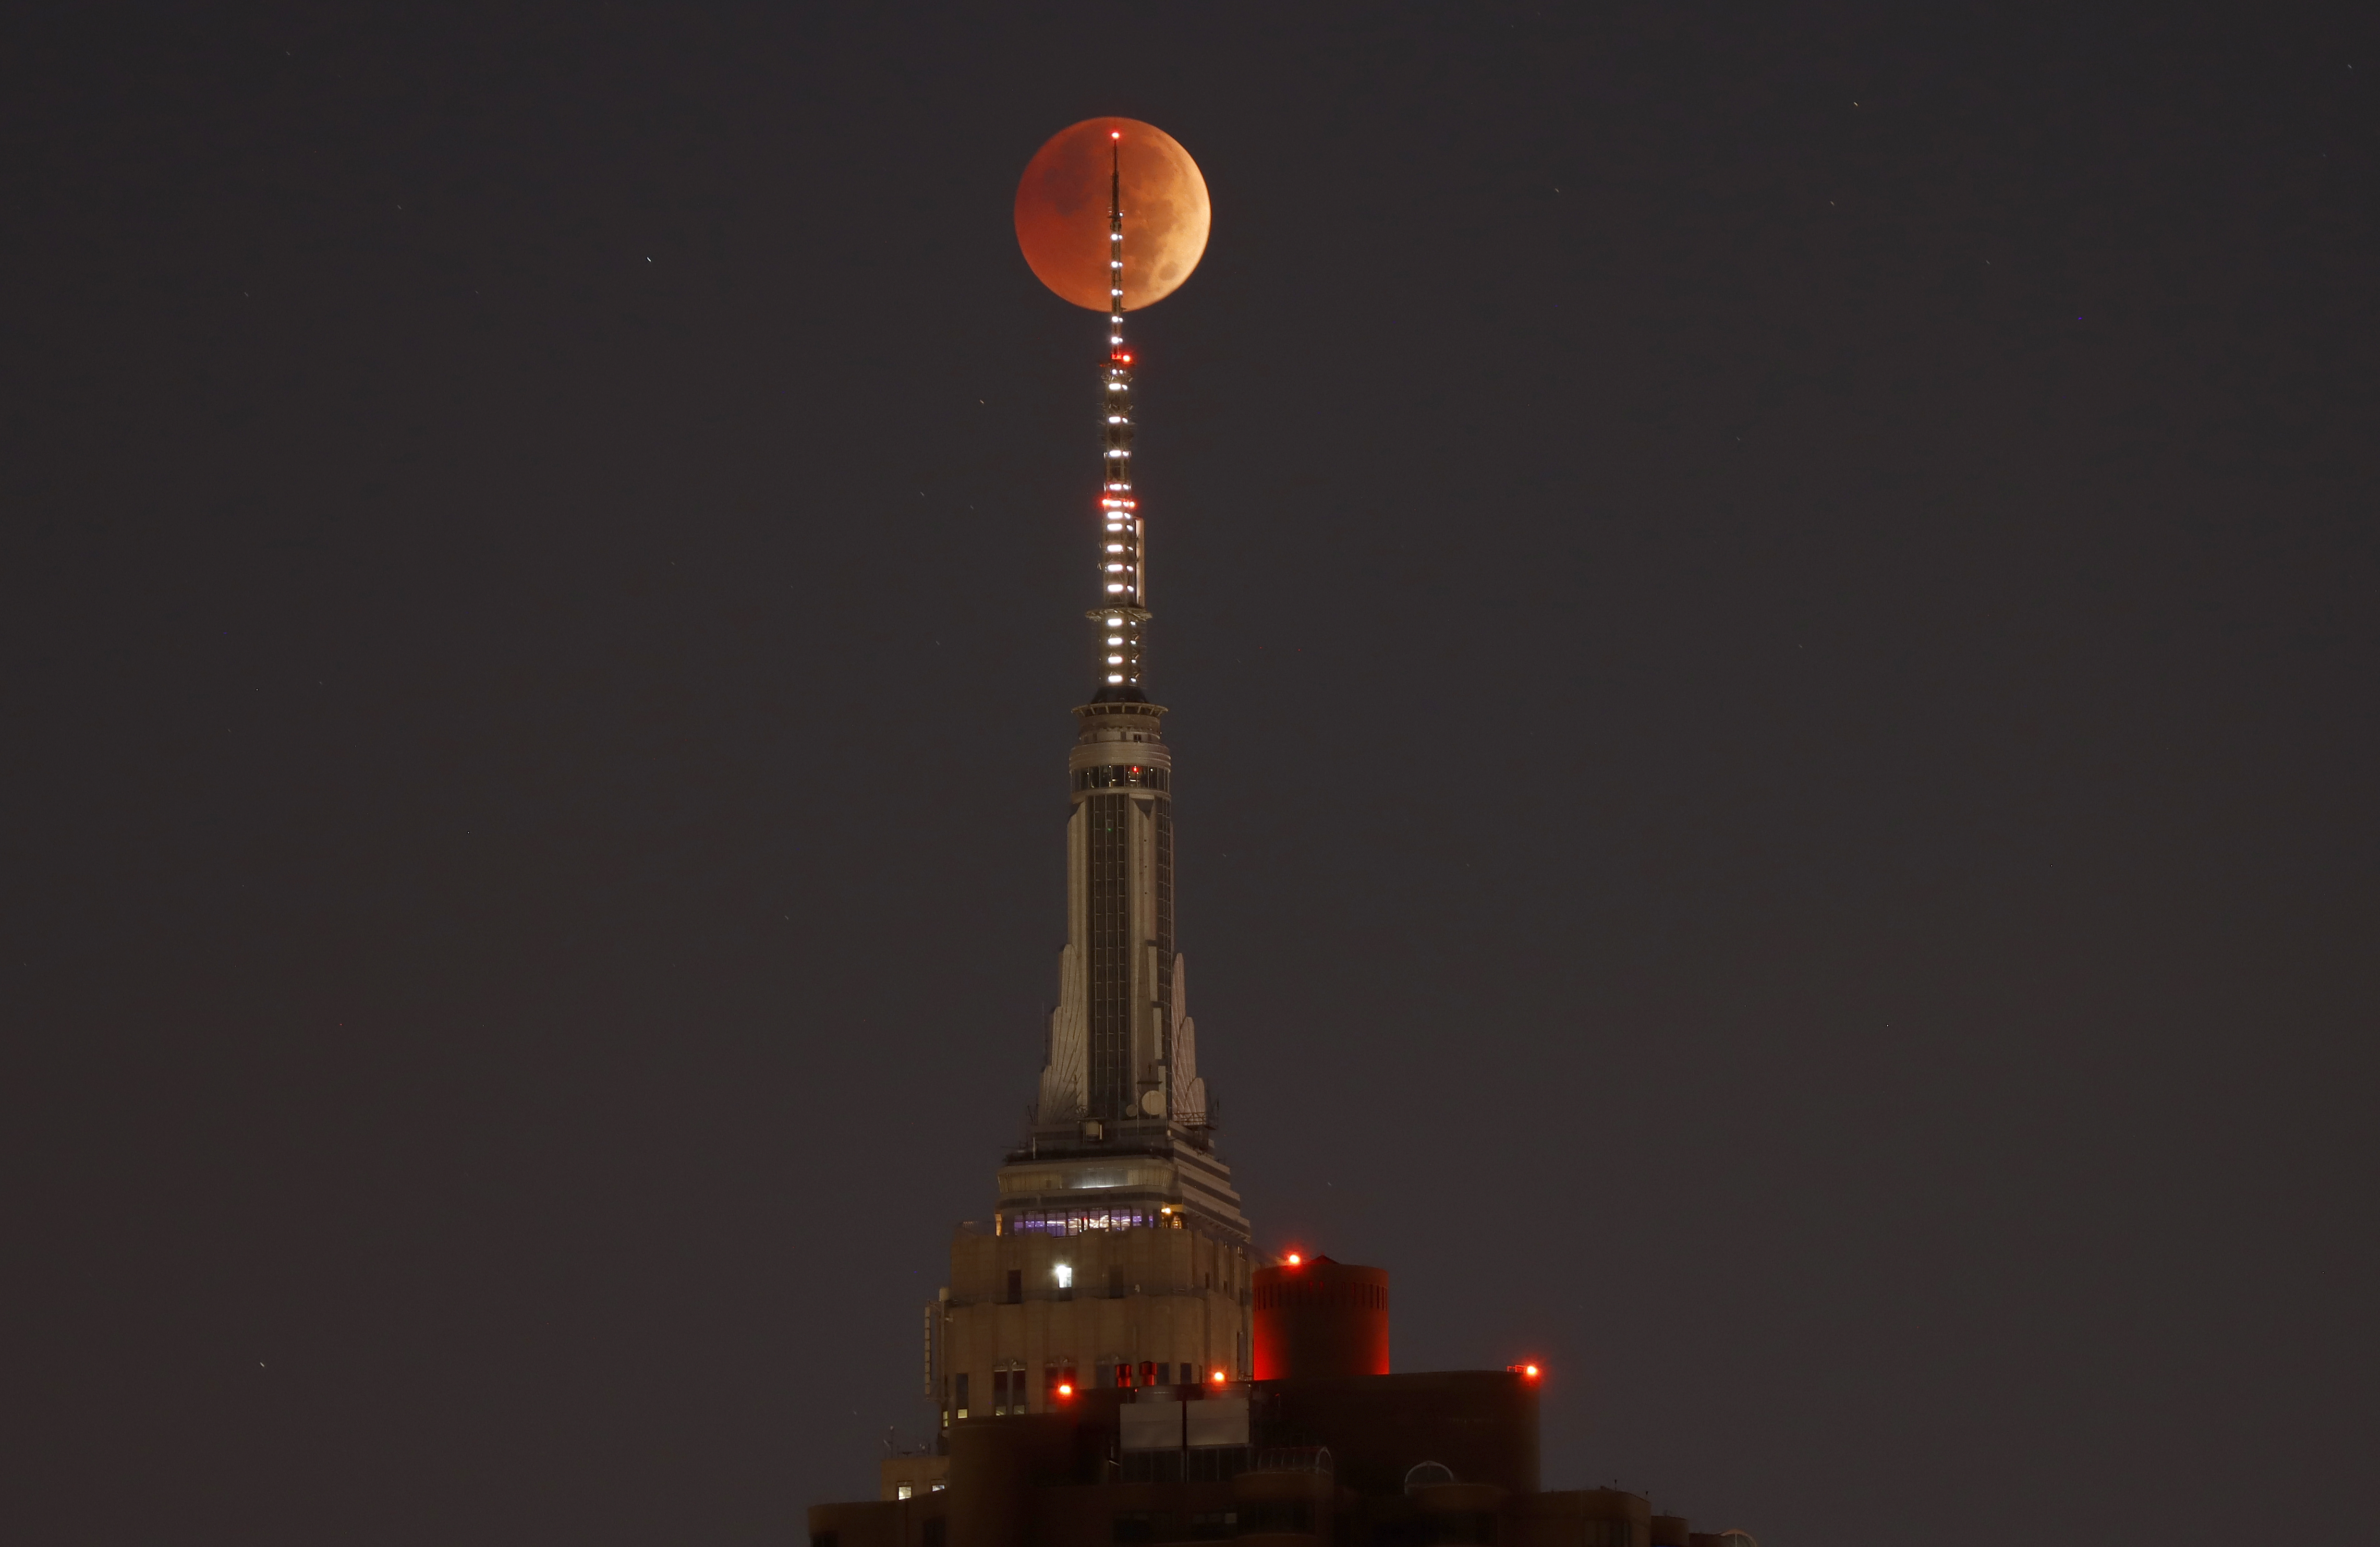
pixel 1118 1254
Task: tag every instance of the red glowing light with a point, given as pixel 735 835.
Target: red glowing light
pixel 1294 1259
pixel 1530 1371
pixel 1065 1390
pixel 1526 1372
pixel 1218 1377
pixel 1115 134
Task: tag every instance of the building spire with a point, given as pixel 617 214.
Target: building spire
pixel 1122 616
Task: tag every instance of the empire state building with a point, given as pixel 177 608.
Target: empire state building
pixel 1117 1254
pixel 1109 1367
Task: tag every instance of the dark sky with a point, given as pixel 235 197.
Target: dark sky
pixel 1769 614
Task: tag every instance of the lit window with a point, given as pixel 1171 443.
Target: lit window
pixel 1115 588
pixel 905 1492
pixel 1115 660
pixel 1113 677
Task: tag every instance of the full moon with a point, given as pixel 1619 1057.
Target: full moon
pixel 1061 212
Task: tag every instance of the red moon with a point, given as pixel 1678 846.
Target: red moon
pixel 1061 212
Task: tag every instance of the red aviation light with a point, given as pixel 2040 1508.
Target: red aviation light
pixel 1066 1391
pixel 1526 1372
pixel 1216 1377
pixel 1294 1259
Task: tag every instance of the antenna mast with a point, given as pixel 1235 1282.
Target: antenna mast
pixel 1123 566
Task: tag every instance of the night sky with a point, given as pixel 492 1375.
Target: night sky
pixel 1769 614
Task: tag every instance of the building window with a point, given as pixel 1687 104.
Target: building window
pixel 1115 1283
pixel 932 1533
pixel 905 1492
pixel 963 1398
pixel 1080 1221
pixel 1016 1285
pixel 1116 776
